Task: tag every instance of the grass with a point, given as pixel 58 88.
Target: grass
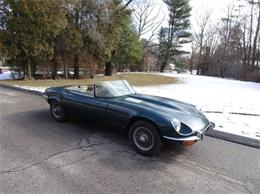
pixel 134 79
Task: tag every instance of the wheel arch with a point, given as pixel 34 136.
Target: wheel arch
pixel 53 98
pixel 134 119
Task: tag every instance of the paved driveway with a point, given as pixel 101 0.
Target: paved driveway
pixel 39 155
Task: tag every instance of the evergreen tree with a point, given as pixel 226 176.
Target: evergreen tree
pixel 172 38
pixel 129 50
pixel 30 29
pixel 115 19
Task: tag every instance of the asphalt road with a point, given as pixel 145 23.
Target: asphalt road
pixel 39 155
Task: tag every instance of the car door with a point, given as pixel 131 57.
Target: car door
pixel 85 105
pixel 118 115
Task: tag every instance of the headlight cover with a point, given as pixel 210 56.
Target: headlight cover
pixel 176 124
pixel 181 128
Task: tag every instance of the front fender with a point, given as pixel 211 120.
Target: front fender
pixel 163 123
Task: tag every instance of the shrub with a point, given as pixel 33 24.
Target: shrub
pixel 253 76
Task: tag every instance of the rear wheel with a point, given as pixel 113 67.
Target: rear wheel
pixel 58 112
pixel 145 138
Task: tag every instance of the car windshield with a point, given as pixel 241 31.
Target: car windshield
pixel 113 88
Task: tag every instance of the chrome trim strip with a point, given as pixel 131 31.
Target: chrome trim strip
pixel 193 138
pixel 207 128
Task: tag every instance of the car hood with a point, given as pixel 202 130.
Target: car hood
pixel 170 108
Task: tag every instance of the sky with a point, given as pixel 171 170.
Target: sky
pixel 199 7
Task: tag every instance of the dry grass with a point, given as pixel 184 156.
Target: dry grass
pixel 134 79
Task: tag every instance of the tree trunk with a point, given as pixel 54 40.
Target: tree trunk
pixel 54 68
pixel 65 68
pixel 256 38
pixel 250 37
pixel 34 69
pixel 76 66
pixel 109 64
pixel 92 68
pixel 191 63
pixel 199 63
pixel 28 72
pixel 163 65
pixel 108 68
pixel 221 71
pixel 25 71
pixel 19 71
pixel 258 55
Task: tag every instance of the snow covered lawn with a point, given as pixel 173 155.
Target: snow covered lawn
pixel 234 106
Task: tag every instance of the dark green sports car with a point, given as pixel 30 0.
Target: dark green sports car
pixel 149 120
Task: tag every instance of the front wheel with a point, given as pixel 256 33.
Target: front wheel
pixel 58 112
pixel 145 138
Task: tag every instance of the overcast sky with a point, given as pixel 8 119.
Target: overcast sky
pixel 218 8
pixel 199 7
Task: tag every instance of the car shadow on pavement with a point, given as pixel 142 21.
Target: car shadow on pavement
pixel 41 128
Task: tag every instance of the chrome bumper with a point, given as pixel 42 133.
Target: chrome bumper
pixel 197 137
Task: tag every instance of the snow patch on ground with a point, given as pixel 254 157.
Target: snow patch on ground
pixel 6 76
pixel 32 88
pixel 234 106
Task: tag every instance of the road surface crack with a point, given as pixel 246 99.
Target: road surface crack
pixel 78 147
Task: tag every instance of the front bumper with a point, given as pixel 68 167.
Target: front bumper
pixel 197 137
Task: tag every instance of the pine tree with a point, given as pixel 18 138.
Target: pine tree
pixel 30 30
pixel 177 32
pixel 129 50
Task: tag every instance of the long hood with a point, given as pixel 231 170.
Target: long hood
pixel 170 108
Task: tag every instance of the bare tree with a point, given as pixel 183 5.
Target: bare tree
pixel 225 32
pixel 200 29
pixel 148 22
pixel 211 39
pixel 232 45
pixel 127 4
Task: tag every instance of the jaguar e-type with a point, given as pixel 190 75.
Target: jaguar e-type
pixel 149 120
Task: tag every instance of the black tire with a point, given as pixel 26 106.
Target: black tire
pixel 145 138
pixel 58 112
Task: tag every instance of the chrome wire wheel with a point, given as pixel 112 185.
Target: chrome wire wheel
pixel 143 138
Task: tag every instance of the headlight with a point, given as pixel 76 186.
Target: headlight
pixel 181 128
pixel 176 124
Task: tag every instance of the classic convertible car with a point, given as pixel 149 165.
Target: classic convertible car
pixel 149 120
